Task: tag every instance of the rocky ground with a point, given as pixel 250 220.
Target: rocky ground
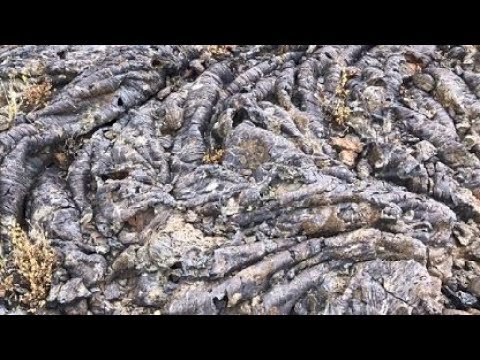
pixel 240 179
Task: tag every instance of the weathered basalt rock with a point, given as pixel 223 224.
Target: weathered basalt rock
pixel 247 179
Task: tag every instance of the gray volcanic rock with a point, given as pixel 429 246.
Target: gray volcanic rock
pixel 245 179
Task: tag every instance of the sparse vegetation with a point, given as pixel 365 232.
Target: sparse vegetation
pixel 214 156
pixel 37 95
pixel 220 50
pixel 341 111
pixel 14 100
pixel 22 95
pixel 26 274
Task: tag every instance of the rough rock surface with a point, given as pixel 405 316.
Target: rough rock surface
pixel 248 179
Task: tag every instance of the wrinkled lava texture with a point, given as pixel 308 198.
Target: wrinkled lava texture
pixel 249 179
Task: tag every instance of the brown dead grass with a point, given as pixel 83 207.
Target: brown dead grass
pixel 341 111
pixel 37 95
pixel 214 156
pixel 26 273
pixel 220 50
